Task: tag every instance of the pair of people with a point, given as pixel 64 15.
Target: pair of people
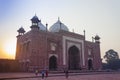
pixel 43 73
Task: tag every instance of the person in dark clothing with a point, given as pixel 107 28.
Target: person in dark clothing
pixel 66 73
pixel 43 74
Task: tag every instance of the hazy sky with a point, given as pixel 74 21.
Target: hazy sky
pixel 100 17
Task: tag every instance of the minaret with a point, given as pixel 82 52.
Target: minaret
pixel 97 49
pixel 21 32
pixel 84 34
pixel 35 22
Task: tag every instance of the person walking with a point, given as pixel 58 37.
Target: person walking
pixel 36 72
pixel 43 74
pixel 46 73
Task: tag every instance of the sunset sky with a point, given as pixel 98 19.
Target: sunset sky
pixel 101 17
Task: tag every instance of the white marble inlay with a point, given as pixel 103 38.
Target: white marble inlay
pixel 73 42
pixel 53 55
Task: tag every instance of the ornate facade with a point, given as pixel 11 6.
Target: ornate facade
pixel 56 48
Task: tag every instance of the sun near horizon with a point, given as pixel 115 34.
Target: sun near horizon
pixel 9 49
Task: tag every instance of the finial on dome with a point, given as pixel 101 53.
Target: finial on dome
pixel 46 26
pixel 60 25
pixel 58 18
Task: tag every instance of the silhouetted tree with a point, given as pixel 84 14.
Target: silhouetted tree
pixel 114 64
pixel 112 59
pixel 111 55
pixel 105 66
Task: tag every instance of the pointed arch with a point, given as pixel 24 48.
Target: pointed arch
pixel 90 64
pixel 52 63
pixel 73 58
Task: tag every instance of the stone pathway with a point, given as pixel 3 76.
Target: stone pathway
pixel 31 76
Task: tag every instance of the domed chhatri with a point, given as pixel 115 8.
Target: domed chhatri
pixel 21 30
pixel 37 23
pixel 58 26
pixel 35 19
pixel 97 37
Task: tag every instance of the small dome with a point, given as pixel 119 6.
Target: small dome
pixel 41 26
pixel 97 37
pixel 56 27
pixel 35 19
pixel 21 30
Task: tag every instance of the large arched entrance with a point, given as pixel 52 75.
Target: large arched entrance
pixel 90 64
pixel 53 63
pixel 73 58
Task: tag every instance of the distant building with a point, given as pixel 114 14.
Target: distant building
pixel 56 48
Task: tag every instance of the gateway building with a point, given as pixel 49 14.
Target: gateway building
pixel 56 48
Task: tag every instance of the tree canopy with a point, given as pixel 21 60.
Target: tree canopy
pixel 112 59
pixel 111 55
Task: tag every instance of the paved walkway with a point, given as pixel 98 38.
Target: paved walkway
pixel 73 76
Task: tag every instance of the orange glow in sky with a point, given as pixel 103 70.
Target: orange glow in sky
pixel 9 48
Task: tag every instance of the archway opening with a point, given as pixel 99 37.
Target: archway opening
pixel 73 58
pixel 90 64
pixel 52 63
